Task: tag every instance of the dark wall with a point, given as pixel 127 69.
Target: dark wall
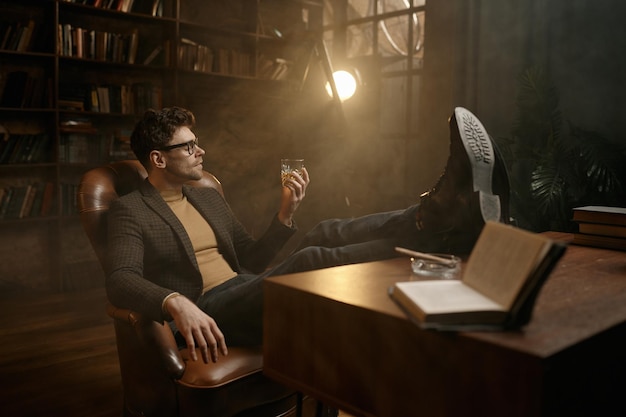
pixel 478 48
pixel 587 40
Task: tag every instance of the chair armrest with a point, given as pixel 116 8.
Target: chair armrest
pixel 157 338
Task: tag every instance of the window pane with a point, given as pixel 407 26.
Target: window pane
pixel 355 9
pixel 360 8
pixel 393 35
pixel 359 40
pixel 393 64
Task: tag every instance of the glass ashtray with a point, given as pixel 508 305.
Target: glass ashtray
pixel 448 268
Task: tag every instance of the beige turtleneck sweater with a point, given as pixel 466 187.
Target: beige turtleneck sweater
pixel 213 267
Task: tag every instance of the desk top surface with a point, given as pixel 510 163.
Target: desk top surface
pixel 584 295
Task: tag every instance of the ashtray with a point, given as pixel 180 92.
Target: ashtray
pixel 445 267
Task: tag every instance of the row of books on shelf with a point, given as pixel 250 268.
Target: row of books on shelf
pixel 17 36
pixel 74 148
pixel 149 7
pixel 112 98
pixel 197 57
pixel 30 200
pixel 123 48
pixel 25 89
pixel 27 148
pixel 84 148
pixel 37 199
pixel 600 226
pixel 78 42
pixel 233 62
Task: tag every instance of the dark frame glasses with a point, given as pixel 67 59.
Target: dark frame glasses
pixel 191 146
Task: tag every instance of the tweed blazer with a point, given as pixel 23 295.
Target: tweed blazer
pixel 149 253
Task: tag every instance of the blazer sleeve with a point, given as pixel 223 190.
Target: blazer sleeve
pixel 256 255
pixel 125 283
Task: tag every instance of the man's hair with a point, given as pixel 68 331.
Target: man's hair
pixel 155 130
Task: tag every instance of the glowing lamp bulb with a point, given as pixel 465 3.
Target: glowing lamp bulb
pixel 345 83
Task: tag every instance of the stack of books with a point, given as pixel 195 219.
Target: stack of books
pixel 601 226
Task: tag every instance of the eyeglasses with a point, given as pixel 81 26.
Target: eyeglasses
pixel 191 146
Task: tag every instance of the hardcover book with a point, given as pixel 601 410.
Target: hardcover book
pixel 601 215
pixel 498 286
pixel 602 229
pixel 600 226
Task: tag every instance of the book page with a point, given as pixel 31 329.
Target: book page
pixel 446 296
pixel 602 209
pixel 503 258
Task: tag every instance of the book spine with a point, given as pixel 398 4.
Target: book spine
pixel 608 215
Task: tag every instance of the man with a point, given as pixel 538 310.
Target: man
pixel 178 254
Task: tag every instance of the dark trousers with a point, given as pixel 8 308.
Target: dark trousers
pixel 237 305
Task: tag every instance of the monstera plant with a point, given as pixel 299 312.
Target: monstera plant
pixel 554 164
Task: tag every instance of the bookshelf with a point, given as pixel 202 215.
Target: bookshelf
pixel 74 77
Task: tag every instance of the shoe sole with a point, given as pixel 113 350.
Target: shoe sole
pixel 482 159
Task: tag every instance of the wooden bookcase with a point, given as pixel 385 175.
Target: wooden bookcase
pixel 74 77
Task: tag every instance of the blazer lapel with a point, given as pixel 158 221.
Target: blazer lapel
pixel 154 200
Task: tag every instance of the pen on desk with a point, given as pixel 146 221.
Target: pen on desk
pixel 426 256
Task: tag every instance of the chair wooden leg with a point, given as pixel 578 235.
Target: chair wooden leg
pixel 299 403
pixel 319 409
pixel 323 410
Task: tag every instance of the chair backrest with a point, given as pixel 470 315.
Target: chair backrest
pixel 101 185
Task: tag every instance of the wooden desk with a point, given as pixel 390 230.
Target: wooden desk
pixel 335 334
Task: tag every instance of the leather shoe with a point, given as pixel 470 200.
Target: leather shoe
pixel 474 187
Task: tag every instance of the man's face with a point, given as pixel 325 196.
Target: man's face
pixel 183 162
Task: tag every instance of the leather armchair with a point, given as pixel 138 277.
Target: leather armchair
pixel 159 379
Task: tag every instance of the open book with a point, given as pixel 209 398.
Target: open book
pixel 498 285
